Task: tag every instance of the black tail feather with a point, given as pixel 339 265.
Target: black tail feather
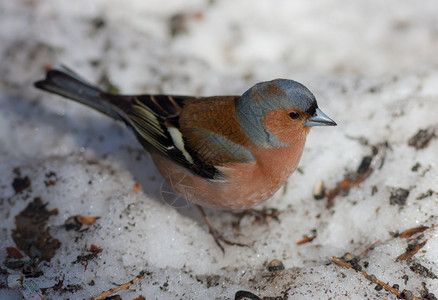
pixel 62 81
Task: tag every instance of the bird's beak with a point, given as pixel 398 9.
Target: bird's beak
pixel 320 119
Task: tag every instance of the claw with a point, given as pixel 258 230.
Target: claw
pixel 218 237
pixel 261 215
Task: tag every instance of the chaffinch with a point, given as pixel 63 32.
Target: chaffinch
pixel 223 152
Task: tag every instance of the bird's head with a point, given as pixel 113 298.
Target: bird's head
pixel 275 113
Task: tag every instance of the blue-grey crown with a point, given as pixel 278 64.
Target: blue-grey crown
pixel 266 96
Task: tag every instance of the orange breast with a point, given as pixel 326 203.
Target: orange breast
pixel 246 185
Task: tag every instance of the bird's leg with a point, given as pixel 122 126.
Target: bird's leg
pixel 218 238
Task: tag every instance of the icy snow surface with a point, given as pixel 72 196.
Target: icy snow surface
pixel 373 68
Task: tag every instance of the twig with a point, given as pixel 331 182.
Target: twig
pixel 370 247
pixel 112 291
pixel 411 251
pixel 371 278
pixel 410 232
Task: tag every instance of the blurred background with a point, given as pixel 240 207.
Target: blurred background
pixel 199 46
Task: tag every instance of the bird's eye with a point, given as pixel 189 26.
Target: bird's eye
pixel 294 115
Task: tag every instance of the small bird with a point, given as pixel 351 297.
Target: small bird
pixel 222 152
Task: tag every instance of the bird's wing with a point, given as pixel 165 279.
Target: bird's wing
pixel 212 132
pixel 191 131
pixel 180 128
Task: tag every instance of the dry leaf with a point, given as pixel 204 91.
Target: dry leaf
pixel 86 220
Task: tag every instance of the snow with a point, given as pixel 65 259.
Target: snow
pixel 372 69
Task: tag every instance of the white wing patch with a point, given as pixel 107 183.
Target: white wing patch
pixel 147 125
pixel 179 142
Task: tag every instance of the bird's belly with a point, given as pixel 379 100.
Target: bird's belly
pixel 247 188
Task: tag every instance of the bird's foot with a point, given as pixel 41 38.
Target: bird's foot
pixel 218 237
pixel 261 216
pixel 264 215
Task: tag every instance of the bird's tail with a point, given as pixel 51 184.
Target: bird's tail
pixel 62 81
